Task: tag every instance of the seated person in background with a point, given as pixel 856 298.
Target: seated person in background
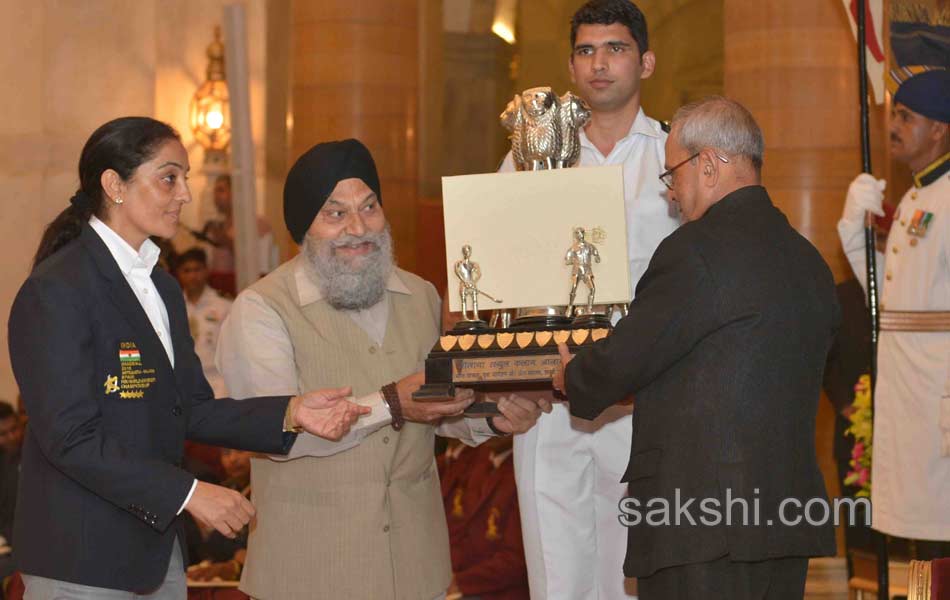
pixel 221 233
pixel 454 465
pixel 212 555
pixel 488 559
pixel 167 255
pixel 11 439
pixel 206 311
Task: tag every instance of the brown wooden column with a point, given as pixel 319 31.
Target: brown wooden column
pixel 355 74
pixel 794 66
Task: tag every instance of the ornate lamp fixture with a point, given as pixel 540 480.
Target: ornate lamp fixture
pixel 210 115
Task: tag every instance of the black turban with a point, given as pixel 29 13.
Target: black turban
pixel 927 94
pixel 315 174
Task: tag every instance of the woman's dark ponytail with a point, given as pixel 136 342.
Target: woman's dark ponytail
pixel 66 226
pixel 121 145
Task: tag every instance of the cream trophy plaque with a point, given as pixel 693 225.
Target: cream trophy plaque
pixel 540 233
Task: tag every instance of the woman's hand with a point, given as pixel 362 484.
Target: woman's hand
pixel 326 413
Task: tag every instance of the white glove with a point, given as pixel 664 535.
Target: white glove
pixel 865 194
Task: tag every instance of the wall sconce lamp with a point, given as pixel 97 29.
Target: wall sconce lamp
pixel 210 116
pixel 503 24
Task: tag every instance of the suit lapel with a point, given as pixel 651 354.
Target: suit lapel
pixel 171 294
pixel 124 299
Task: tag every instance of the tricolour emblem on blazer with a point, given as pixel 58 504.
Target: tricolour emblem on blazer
pixel 130 355
pixel 135 378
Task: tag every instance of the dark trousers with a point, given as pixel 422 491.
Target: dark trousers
pixel 777 579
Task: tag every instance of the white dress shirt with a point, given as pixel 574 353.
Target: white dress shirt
pixel 136 266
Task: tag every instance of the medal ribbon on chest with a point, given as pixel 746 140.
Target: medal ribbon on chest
pixel 919 223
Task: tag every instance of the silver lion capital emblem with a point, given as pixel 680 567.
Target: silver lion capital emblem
pixel 545 128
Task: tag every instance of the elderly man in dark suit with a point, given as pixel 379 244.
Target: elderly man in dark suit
pixel 723 350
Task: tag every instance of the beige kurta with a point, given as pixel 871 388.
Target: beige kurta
pixel 366 523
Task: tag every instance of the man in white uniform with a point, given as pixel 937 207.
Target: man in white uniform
pixel 911 467
pixel 568 470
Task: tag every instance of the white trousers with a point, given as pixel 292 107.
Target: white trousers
pixel 568 473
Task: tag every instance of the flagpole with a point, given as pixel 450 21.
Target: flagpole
pixel 870 254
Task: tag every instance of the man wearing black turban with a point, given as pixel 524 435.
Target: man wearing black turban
pixel 911 467
pixel 361 518
pixel 315 175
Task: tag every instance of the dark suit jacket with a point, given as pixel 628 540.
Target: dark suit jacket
pixel 724 349
pixel 101 482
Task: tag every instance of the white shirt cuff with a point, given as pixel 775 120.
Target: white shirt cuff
pixel 194 484
pixel 471 431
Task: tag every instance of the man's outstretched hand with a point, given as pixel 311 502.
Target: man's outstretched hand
pixel 326 413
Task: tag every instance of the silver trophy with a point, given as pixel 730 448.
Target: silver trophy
pixel 574 114
pixel 545 129
pixel 545 134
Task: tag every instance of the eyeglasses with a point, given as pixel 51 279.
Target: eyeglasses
pixel 667 176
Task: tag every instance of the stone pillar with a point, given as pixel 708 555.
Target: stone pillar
pixel 355 74
pixel 794 66
pixel 684 71
pixel 51 55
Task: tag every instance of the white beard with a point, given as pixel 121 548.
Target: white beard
pixel 351 284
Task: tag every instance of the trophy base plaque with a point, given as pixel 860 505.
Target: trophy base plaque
pixel 501 361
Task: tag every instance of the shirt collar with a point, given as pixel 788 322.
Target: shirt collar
pixel 309 292
pixel 641 126
pixel 932 172
pixel 124 254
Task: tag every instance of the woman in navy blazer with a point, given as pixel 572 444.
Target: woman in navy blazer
pixel 102 353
